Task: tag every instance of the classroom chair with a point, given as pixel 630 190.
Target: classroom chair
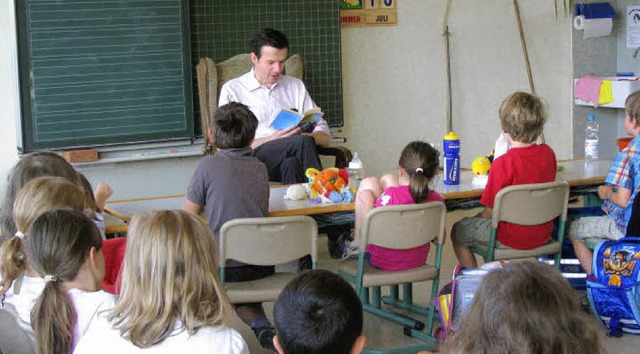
pixel 13 338
pixel 265 241
pixel 400 227
pixel 212 76
pixel 528 204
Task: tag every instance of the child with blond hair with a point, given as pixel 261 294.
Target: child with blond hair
pixel 522 118
pixel 20 285
pixel 171 299
pixel 618 192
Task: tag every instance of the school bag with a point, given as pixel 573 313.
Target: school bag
pixel 456 296
pixel 614 287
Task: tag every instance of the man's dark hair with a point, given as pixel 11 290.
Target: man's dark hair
pixel 233 126
pixel 318 312
pixel 268 37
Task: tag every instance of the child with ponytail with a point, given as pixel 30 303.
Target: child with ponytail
pixel 418 165
pixel 64 249
pixel 19 284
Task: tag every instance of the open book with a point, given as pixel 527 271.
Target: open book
pixel 306 121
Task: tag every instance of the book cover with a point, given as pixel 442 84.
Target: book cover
pixel 305 121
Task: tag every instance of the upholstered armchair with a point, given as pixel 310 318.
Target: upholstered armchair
pixel 212 76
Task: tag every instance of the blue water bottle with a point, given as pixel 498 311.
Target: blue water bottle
pixel 451 158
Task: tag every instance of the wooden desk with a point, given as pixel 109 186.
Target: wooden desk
pixel 578 173
pixel 278 206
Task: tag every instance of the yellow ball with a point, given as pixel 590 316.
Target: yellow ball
pixel 481 165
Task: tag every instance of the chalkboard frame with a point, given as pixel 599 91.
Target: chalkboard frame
pixel 181 127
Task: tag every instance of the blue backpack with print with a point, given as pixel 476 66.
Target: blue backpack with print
pixel 614 287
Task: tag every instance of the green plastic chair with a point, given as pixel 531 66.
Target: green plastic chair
pixel 528 204
pixel 400 227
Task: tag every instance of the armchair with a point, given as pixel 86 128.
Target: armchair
pixel 212 76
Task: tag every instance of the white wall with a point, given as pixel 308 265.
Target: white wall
pixel 394 86
pixel 9 101
pixel 394 77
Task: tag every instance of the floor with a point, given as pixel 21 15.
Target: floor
pixel 383 334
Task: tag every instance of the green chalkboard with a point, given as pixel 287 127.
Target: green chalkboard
pixel 222 29
pixel 104 72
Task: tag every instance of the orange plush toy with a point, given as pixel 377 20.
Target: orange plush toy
pixel 323 183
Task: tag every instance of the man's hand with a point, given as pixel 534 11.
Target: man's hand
pixel 291 131
pixel 284 133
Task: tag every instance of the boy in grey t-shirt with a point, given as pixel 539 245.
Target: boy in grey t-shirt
pixel 233 184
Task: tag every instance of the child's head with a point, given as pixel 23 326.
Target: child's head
pixel 522 116
pixel 632 106
pixel 61 242
pixel 233 126
pixel 33 165
pixel 419 160
pixel 35 198
pixel 318 312
pixel 169 273
pixel 526 307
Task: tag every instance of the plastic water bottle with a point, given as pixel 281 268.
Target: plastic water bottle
pixel 356 171
pixel 591 139
pixel 451 144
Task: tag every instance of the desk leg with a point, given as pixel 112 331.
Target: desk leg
pixel 591 200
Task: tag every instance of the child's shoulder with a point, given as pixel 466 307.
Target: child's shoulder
pixel 434 197
pixel 634 145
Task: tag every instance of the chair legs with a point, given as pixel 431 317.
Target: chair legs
pixel 408 350
pixel 418 329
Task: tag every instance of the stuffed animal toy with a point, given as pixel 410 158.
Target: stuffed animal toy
pixel 481 166
pixel 296 192
pixel 329 186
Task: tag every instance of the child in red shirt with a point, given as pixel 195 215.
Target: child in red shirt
pixel 522 118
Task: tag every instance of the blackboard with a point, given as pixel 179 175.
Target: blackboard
pixel 104 72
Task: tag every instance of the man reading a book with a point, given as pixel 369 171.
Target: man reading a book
pixel 266 91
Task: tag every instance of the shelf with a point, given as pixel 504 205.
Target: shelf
pixel 621 88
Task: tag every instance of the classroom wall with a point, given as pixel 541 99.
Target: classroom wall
pixel 394 77
pixel 394 87
pixel 9 102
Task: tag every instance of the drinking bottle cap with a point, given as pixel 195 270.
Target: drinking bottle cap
pixel 451 136
pixel 355 162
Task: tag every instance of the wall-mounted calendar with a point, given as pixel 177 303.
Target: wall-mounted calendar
pixel 368 12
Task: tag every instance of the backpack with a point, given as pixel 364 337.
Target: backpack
pixel 614 287
pixel 456 296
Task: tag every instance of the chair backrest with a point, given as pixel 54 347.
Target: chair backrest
pixel 212 76
pixel 633 227
pixel 13 338
pixel 268 241
pixel 404 226
pixel 531 204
